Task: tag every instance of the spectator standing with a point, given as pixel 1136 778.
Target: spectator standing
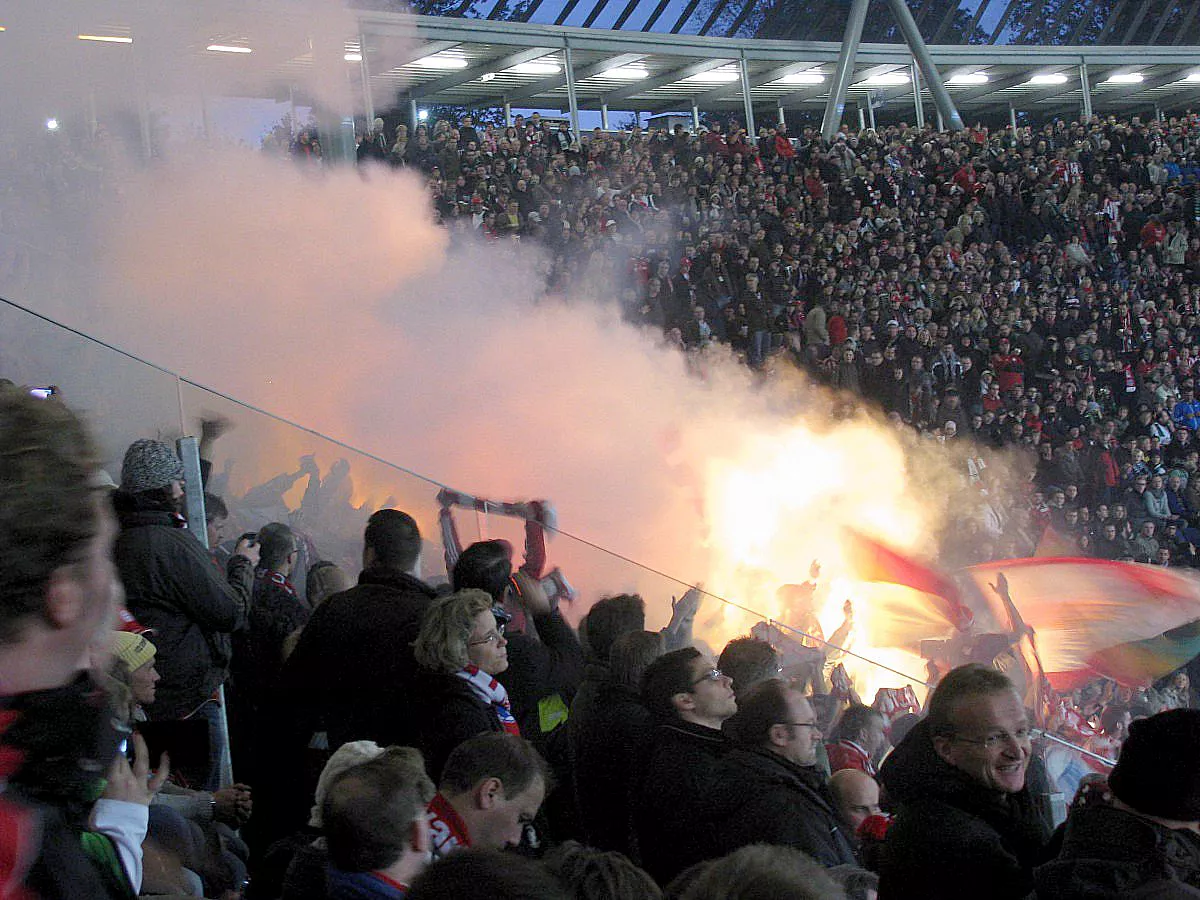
pixel 173 589
pixel 690 698
pixel 858 739
pixel 770 789
pixel 60 599
pixel 966 824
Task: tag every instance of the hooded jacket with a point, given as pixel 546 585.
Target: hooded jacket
pixel 762 798
pixel 1111 854
pixel 952 836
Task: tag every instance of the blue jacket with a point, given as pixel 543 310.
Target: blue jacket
pixel 361 886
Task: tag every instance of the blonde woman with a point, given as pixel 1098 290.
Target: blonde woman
pixel 461 648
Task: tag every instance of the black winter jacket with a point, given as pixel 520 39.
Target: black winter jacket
pixel 449 713
pixel 952 837
pixel 762 798
pixel 610 734
pixel 674 829
pixel 551 663
pixel 1110 854
pixel 172 586
pixel 352 671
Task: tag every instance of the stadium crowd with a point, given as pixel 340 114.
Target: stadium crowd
pixel 1036 292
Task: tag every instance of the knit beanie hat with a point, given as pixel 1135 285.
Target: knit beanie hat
pixel 149 465
pixel 1157 773
pixel 345 757
pixel 132 649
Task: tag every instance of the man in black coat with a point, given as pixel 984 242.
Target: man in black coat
pixel 172 587
pixel 770 790
pixel 690 698
pixel 966 824
pixel 352 672
pixel 1144 840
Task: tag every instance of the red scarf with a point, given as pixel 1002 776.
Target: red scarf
pixel 447 830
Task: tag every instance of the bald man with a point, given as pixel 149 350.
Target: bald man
pixel 856 795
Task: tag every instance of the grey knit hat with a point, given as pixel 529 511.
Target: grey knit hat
pixel 149 465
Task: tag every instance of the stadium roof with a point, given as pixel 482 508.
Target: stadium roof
pixel 473 62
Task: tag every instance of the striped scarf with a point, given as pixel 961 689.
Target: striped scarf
pixel 491 692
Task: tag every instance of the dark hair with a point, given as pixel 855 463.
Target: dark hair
pixel 486 565
pixel 510 759
pixel 901 726
pixel 214 508
pixel 854 722
pixel 275 543
pixel 748 661
pixel 959 684
pixel 394 538
pixel 761 872
pixel 1111 715
pixel 591 874
pixel 667 676
pixel 610 618
pixel 368 813
pixel 631 655
pixel 47 502
pixel 486 873
pixel 856 882
pixel 764 705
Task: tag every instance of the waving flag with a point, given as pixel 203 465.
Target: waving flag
pixel 1126 621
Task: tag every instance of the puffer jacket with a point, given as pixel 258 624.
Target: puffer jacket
pixel 952 836
pixel 172 587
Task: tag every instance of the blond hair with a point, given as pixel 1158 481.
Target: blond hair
pixel 446 627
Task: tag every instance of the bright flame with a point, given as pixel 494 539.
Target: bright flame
pixel 786 501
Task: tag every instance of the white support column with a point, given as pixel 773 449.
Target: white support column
pixel 779 116
pixel 1012 119
pixel 747 100
pixel 940 121
pixel 572 97
pixel 1086 85
pixel 507 113
pixel 412 116
pixel 365 73
pixel 695 116
pixel 862 117
pixel 604 114
pixel 916 86
pixel 871 109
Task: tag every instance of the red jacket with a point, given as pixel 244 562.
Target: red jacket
pixel 848 755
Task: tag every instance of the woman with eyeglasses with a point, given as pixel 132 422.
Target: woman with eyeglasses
pixel 461 648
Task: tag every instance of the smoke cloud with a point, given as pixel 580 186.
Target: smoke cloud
pixel 332 298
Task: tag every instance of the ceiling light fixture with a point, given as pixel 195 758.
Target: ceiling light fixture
pixel 808 77
pixel 104 38
pixel 1125 78
pixel 441 61
pixel 721 75
pixel 353 57
pixel 227 48
pixel 1056 78
pixel 970 78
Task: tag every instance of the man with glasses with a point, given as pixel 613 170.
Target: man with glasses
pixel 770 790
pixel 966 824
pixel 691 699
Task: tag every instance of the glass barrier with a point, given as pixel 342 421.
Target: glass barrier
pixel 122 397
pixel 269 470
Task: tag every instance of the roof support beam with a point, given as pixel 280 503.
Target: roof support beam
pixel 685 15
pixel 527 14
pixel 1186 26
pixel 978 17
pixel 717 10
pixel 595 13
pixel 625 14
pixel 1000 26
pixel 566 11
pixel 656 15
pixel 1112 20
pixel 1035 13
pixel 1138 18
pixel 742 17
pixel 1123 93
pixel 1168 14
pixel 947 21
